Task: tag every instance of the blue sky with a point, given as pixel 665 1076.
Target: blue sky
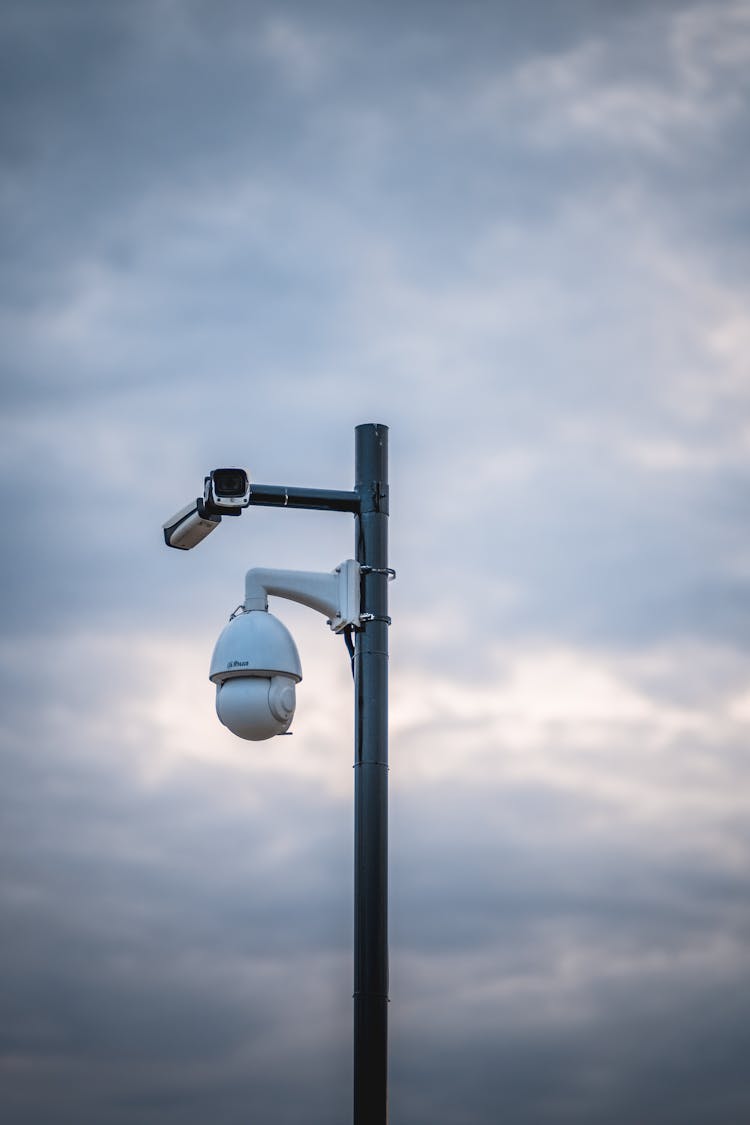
pixel 518 236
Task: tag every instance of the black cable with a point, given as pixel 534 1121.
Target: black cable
pixel 349 642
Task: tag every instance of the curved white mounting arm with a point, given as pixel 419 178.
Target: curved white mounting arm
pixel 336 594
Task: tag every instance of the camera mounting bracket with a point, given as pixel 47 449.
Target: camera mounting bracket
pixel 335 594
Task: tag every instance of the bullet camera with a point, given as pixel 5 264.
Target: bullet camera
pixel 226 491
pixel 255 666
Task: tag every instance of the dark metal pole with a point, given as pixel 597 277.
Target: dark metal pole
pixel 371 784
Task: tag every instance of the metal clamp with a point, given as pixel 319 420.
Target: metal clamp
pixel 375 617
pixel 379 570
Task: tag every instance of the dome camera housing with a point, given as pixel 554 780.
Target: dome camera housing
pixel 255 666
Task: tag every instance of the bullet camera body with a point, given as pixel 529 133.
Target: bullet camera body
pixel 188 527
pixel 226 491
pixel 255 666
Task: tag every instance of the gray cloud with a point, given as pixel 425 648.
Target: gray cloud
pixel 168 943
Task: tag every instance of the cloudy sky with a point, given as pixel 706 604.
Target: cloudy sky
pixel 517 234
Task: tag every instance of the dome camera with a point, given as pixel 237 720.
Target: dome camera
pixel 255 666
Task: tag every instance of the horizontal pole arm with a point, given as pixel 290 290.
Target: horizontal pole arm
pixel 322 499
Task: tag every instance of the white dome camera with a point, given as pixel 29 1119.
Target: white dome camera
pixel 255 666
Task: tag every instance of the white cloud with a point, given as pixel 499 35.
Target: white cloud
pixel 688 84
pixel 712 43
pixel 303 56
pixel 596 726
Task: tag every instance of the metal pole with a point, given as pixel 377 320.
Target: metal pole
pixel 371 784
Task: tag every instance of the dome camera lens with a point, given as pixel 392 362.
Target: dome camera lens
pixel 282 698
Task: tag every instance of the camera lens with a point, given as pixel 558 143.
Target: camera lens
pixel 229 482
